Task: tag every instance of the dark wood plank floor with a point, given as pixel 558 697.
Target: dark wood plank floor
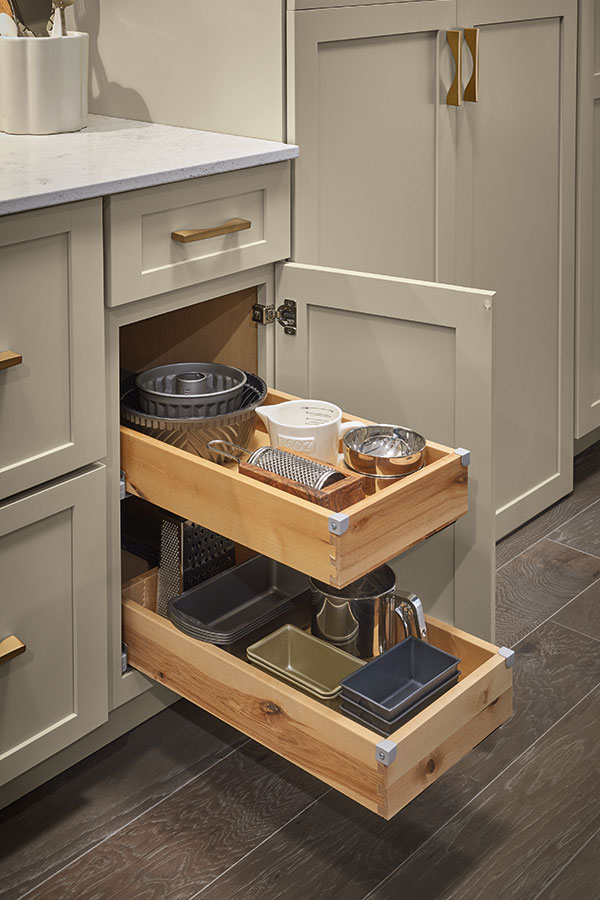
pixel 186 807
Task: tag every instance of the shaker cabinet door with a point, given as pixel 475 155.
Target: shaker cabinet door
pixel 374 184
pixel 52 399
pixel 587 371
pixel 515 225
pixel 53 610
pixel 415 354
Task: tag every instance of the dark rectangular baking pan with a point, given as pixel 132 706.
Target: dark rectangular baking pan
pixel 398 678
pixel 304 660
pixel 229 605
pixel 225 640
pixel 388 726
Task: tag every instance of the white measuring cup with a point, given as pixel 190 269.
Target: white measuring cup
pixel 312 427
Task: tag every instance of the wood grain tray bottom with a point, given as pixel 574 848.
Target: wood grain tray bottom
pixel 321 740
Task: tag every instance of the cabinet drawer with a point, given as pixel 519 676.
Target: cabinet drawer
pixel 53 576
pixel 144 259
pixel 321 739
pixel 335 548
pixel 52 402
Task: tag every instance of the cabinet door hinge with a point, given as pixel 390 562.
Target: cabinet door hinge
pixel 284 314
pixel 262 314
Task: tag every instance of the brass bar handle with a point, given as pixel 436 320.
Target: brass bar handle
pixel 455 42
pixel 9 358
pixel 472 88
pixel 201 234
pixel 11 647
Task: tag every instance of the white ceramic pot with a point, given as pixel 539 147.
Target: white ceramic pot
pixel 44 84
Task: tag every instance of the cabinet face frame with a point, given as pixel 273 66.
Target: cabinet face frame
pixel 587 400
pixel 125 687
pixel 475 575
pixel 542 489
pixel 84 496
pixel 306 31
pixel 81 223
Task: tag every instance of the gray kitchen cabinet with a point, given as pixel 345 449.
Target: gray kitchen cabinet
pixel 587 371
pixel 374 183
pixel 52 400
pixel 515 198
pixel 53 690
pixel 364 341
pixel 392 180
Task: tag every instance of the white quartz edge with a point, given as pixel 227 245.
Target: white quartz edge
pixel 116 155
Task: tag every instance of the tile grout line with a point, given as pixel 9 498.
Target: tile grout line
pixel 570 547
pixel 568 863
pixel 544 536
pixel 264 841
pixel 556 612
pixel 135 819
pixel 580 633
pixel 478 794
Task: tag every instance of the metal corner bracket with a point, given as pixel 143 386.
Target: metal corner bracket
pixel 465 455
pixel 124 662
pixel 385 752
pixel 509 656
pixel 338 523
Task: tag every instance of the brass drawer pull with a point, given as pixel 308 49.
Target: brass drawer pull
pixel 9 358
pixel 11 647
pixel 201 234
pixel 455 43
pixel 472 88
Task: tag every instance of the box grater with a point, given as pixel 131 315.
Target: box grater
pixel 189 555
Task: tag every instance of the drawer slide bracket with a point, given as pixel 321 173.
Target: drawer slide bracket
pixel 385 752
pixel 509 656
pixel 123 489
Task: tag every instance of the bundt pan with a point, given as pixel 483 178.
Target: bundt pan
pixel 193 434
pixel 190 390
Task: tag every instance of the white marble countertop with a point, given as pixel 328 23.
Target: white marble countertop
pixel 114 155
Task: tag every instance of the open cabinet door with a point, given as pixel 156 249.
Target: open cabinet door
pixel 416 354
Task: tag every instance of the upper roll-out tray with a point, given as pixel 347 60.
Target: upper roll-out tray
pixel 334 547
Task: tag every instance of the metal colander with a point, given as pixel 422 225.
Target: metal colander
pixel 280 462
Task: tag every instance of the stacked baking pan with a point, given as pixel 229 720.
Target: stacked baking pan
pixel 397 685
pixel 227 608
pixel 304 661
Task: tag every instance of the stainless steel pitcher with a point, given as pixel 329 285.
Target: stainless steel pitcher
pixel 367 617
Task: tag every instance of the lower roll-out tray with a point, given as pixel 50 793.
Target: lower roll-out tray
pixel 381 774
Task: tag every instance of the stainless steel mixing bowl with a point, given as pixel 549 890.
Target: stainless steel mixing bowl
pixel 384 451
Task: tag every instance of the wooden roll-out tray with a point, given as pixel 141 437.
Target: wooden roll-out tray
pixel 334 547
